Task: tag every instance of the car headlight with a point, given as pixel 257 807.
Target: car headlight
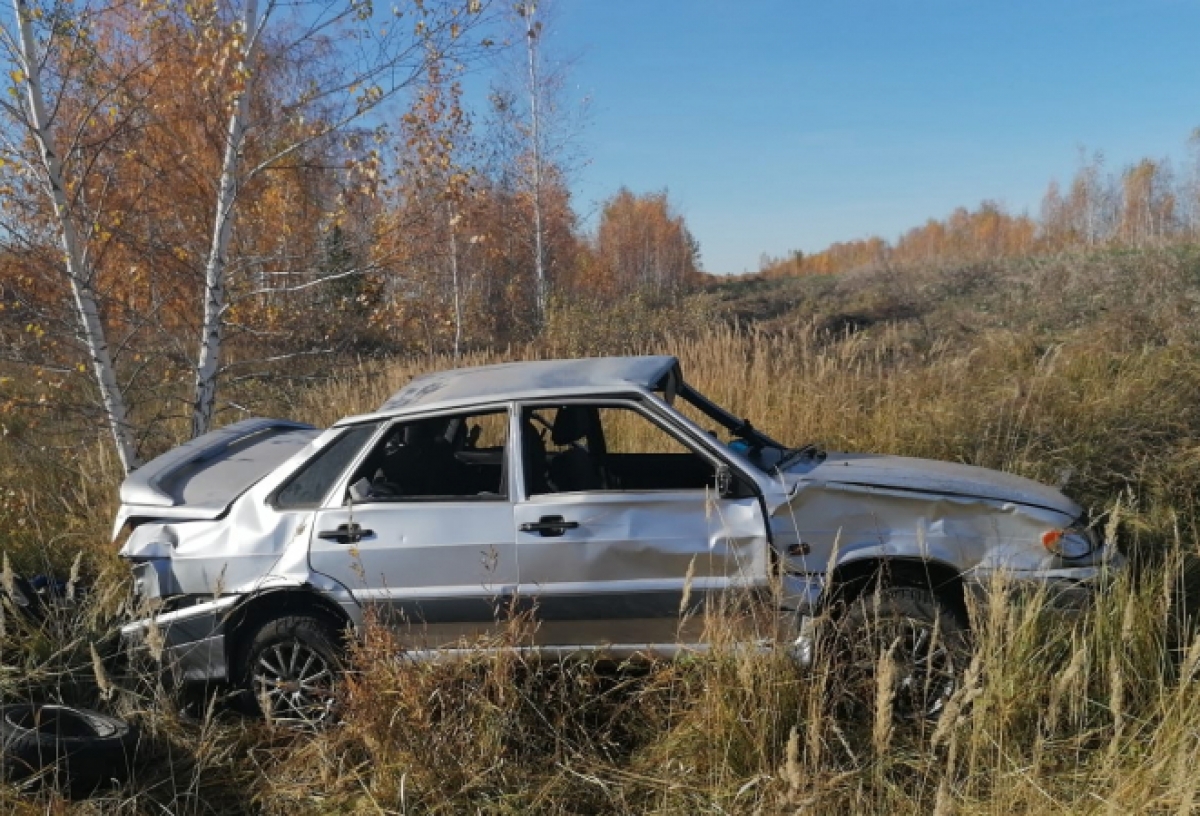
pixel 1071 542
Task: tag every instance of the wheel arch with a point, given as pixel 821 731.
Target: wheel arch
pixel 262 607
pixel 850 580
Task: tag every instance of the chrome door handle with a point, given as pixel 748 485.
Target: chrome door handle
pixel 346 534
pixel 548 526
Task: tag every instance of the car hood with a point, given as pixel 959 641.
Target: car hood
pixel 929 476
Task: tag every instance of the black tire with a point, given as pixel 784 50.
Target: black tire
pixel 290 669
pixel 928 643
pixel 85 748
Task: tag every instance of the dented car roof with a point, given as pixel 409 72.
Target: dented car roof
pixel 525 380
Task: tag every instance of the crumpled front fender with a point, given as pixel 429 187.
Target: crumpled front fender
pixel 821 527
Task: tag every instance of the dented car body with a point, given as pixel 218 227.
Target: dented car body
pixel 605 497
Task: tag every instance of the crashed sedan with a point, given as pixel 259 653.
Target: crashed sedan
pixel 606 498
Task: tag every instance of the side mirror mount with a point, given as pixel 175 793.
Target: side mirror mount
pixel 724 482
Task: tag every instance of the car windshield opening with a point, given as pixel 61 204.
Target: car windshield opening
pixel 737 433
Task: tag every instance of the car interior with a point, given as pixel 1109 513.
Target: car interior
pixel 456 457
pixel 579 447
pixel 565 448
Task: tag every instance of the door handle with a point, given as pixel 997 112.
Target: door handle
pixel 346 534
pixel 548 526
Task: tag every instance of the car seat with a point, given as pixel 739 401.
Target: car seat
pixel 574 468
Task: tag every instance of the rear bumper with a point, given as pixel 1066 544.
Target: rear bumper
pixel 188 645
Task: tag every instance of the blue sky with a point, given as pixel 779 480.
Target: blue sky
pixel 786 124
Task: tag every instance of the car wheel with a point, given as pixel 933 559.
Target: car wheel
pixel 291 668
pixel 925 640
pixel 86 748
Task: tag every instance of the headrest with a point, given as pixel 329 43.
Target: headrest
pixel 455 432
pixel 423 431
pixel 570 424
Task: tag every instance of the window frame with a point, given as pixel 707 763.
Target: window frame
pixel 644 406
pixel 272 499
pixel 504 408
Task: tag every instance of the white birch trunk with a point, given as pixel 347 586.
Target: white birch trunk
pixel 452 219
pixel 115 410
pixel 211 331
pixel 535 126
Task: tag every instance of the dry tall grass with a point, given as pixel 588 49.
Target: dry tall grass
pixel 1065 370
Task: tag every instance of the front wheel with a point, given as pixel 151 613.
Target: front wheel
pixel 291 668
pixel 922 642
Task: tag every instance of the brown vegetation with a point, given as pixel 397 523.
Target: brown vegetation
pixel 1076 369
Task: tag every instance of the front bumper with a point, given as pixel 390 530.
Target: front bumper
pixel 187 644
pixel 1065 588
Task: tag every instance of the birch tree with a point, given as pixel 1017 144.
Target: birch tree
pixel 431 197
pixel 533 31
pixel 642 244
pixel 113 132
pixel 39 40
pixel 357 62
pixel 530 102
pixel 1148 203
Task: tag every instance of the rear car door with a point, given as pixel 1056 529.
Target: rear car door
pixel 621 528
pixel 421 530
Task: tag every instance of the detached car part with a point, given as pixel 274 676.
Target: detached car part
pixel 77 748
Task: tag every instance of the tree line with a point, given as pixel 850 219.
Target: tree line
pixel 1146 203
pixel 196 192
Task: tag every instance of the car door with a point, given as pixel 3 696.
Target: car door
pixel 620 528
pixel 422 530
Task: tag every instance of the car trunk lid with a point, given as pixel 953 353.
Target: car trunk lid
pixel 199 479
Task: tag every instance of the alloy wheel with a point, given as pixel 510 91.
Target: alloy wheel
pixel 294 683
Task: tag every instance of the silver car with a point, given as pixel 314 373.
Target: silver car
pixel 606 498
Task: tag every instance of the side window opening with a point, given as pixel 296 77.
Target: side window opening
pixel 578 447
pixel 460 457
pixel 309 485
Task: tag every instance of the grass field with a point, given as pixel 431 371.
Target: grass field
pixel 1082 371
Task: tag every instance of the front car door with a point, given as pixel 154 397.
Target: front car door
pixel 620 528
pixel 421 530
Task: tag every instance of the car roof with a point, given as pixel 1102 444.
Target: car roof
pixel 462 387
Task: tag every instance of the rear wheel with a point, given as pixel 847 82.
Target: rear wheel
pixel 920 640
pixel 291 668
